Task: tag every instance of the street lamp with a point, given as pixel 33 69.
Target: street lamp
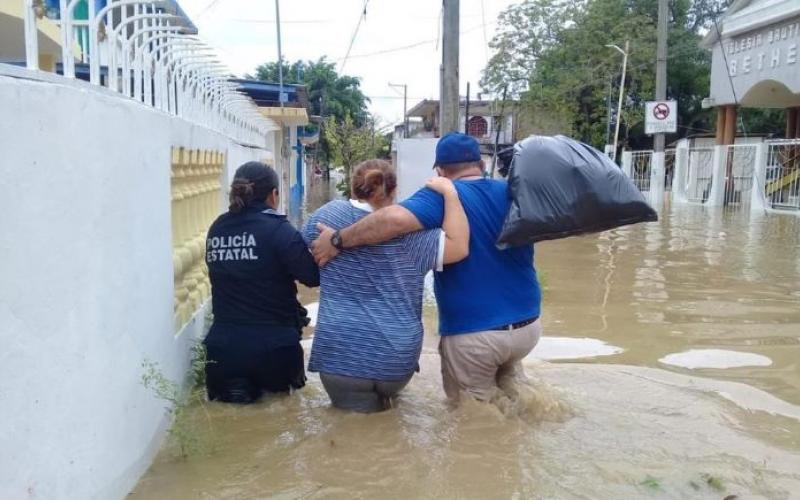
pixel 405 103
pixel 621 92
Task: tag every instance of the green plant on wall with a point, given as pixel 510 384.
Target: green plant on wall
pixel 191 432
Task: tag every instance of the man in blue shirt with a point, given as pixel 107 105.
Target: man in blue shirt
pixel 489 303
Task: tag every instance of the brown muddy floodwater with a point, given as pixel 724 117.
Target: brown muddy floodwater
pixel 670 369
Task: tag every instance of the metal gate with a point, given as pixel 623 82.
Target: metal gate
pixel 699 174
pixel 782 183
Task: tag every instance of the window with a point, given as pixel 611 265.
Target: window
pixel 477 126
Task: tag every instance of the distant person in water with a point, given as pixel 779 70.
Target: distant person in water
pixel 369 331
pixel 489 303
pixel 254 257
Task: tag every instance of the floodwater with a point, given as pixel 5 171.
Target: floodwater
pixel 670 369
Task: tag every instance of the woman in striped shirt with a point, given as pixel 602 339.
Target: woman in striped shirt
pixel 369 331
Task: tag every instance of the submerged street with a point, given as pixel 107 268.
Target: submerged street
pixel 611 411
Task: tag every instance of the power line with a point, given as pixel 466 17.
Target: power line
pixel 394 49
pixel 272 21
pixel 208 7
pixel 355 32
pixel 395 97
pixel 410 46
pixel 730 78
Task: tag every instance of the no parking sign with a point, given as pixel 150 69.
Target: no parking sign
pixel 660 117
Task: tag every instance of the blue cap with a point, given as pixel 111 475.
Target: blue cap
pixel 456 147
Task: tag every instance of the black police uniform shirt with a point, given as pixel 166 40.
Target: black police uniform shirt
pixel 254 258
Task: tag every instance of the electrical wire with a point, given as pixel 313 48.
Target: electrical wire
pixel 272 21
pixel 409 46
pixel 439 27
pixel 728 72
pixel 355 33
pixel 208 7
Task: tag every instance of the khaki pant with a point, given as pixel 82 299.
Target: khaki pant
pixel 476 363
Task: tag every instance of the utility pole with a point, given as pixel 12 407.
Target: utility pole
pixel 372 136
pixel 280 54
pixel 466 113
pixel 497 131
pixel 448 101
pixel 405 106
pixel 658 163
pixel 608 108
pixel 661 66
pixel 405 110
pixel 621 94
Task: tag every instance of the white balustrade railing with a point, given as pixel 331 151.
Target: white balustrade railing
pixel 152 57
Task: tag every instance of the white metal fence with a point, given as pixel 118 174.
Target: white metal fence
pixel 641 166
pixel 669 168
pixel 151 56
pixel 757 175
pixel 740 162
pixel 782 180
pixel 699 174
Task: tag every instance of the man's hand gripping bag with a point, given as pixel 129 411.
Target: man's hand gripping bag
pixel 560 187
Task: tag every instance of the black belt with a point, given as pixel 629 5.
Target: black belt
pixel 514 326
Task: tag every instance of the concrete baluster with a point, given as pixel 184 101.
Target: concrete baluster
pixel 679 180
pixel 627 164
pixel 716 195
pixel 758 202
pixel 657 180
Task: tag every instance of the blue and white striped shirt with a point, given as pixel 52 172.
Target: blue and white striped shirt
pixel 370 311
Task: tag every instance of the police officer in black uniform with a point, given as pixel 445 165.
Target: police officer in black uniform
pixel 254 256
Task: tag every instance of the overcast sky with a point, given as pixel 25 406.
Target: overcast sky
pixel 397 42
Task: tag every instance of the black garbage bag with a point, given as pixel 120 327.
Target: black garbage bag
pixel 560 187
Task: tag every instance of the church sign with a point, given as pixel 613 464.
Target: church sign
pixel 758 67
pixel 765 50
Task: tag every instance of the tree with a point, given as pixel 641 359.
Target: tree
pixel 329 94
pixel 524 32
pixel 350 144
pixel 556 49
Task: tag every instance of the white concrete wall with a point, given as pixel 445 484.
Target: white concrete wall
pixel 86 292
pixel 415 158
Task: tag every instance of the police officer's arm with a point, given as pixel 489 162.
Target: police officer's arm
pixel 294 255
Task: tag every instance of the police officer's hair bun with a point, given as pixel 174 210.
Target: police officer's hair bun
pixel 371 177
pixel 253 181
pixel 241 195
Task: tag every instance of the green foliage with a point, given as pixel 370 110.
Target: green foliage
pixel 714 482
pixel 524 32
pixel 190 434
pixel 762 121
pixel 552 53
pixel 651 483
pixel 329 94
pixel 350 144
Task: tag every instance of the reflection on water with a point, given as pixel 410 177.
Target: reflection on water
pixel 697 285
pixel 715 358
pixel 698 279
